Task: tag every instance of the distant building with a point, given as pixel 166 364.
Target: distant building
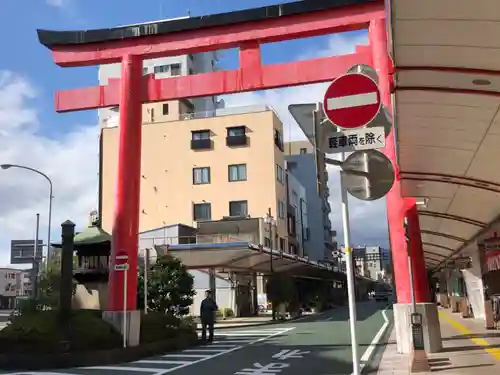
pixel 13 283
pixel 370 261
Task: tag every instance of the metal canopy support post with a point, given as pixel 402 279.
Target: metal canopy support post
pixel 351 294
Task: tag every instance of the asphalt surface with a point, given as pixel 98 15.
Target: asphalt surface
pixel 316 345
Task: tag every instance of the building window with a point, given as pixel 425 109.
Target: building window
pixel 281 209
pixel 201 176
pixel 238 208
pixel 236 136
pixel 237 172
pixel 303 150
pixel 165 108
pixel 236 131
pixel 202 134
pixel 279 174
pixel 175 69
pixel 282 244
pixel 278 140
pixel 161 69
pixel 202 211
pixel 152 115
pixel 267 242
pixel 191 72
pixel 145 70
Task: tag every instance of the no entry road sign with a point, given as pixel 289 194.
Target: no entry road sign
pixel 352 101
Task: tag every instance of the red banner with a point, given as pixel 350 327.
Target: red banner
pixel 492 261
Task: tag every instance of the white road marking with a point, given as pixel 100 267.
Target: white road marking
pixel 119 368
pixel 183 355
pixel 179 360
pixel 376 340
pixel 350 101
pixel 159 361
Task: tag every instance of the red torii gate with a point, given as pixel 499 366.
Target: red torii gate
pixel 245 30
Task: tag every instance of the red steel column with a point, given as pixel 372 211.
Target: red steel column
pixel 397 206
pixel 126 217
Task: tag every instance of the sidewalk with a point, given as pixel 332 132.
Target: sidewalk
pixel 468 348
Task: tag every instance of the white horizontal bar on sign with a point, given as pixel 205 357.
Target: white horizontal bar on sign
pixel 350 101
pixel 122 257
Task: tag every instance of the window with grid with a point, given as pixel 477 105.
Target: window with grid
pixel 201 134
pixel 202 211
pixel 175 69
pixel 201 176
pixel 237 172
pixel 279 173
pixel 161 69
pixel 236 131
pixel 238 208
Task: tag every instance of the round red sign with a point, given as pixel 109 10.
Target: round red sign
pixel 352 101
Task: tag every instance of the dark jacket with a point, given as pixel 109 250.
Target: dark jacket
pixel 207 310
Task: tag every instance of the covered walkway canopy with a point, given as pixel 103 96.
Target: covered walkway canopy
pixel 446 56
pixel 247 258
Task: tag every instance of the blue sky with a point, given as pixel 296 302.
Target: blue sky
pixel 35 61
pixel 32 134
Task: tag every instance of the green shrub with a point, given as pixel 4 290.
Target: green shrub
pixel 156 326
pixel 228 312
pixel 42 332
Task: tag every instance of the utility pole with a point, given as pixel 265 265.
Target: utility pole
pixel 269 220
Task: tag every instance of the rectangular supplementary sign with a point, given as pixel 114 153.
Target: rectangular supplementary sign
pixel 354 140
pixel 23 251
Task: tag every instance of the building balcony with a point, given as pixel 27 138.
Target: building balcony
pixel 201 144
pixel 236 140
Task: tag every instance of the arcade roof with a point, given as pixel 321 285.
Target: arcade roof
pixel 52 38
pixel 447 106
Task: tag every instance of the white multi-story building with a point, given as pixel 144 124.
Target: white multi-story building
pixel 164 68
pixel 13 283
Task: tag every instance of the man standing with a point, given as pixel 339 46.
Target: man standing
pixel 208 309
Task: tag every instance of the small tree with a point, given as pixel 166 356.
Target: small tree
pixel 170 287
pixel 280 289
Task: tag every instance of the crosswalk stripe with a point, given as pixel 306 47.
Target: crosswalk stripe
pixel 183 355
pixel 158 361
pixel 121 368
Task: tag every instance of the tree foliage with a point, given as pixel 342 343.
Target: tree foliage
pixel 280 289
pixel 170 287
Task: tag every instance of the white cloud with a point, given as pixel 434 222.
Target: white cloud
pixel 71 163
pixel 368 219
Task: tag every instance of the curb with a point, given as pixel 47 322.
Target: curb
pixel 270 322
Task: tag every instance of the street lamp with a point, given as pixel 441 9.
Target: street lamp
pixel 8 166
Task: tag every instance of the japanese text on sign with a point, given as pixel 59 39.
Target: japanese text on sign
pixel 355 140
pixel 273 367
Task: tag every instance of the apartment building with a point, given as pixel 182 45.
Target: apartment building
pixel 309 169
pixel 164 68
pixel 13 283
pixel 206 169
pixel 370 261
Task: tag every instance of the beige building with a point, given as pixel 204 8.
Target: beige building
pixel 228 165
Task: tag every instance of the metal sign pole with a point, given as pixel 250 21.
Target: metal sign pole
pixel 351 295
pixel 146 271
pixel 125 307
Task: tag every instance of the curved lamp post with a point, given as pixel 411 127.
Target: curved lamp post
pixel 8 166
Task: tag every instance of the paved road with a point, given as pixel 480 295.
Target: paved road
pixel 316 345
